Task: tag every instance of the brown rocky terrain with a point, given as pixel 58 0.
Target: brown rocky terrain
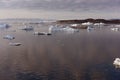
pixel 110 21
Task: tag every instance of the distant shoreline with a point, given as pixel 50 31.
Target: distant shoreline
pixel 76 21
pixel 64 21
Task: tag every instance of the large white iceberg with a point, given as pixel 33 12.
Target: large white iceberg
pixel 62 29
pixel 117 62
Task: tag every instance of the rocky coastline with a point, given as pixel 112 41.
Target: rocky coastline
pixel 79 21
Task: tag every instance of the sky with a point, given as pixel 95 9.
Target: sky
pixel 60 9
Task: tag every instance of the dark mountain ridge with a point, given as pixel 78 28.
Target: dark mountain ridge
pixel 110 21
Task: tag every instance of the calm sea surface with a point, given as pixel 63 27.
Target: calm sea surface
pixel 60 56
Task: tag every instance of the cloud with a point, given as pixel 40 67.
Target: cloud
pixel 72 5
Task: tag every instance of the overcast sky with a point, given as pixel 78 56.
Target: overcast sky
pixel 60 9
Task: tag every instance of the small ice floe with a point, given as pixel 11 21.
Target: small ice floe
pixel 4 26
pixel 41 33
pixel 27 28
pixel 67 29
pixel 90 28
pixel 117 62
pixel 14 44
pixel 9 37
pixel 54 29
pixel 115 29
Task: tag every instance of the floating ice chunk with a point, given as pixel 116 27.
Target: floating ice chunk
pixel 39 33
pixel 9 37
pixel 102 23
pixel 54 29
pixel 87 23
pixel 79 27
pixel 74 25
pixel 115 29
pixel 14 44
pixel 27 28
pixel 117 62
pixel 4 26
pixel 42 33
pixel 62 29
pixel 70 29
pixel 99 24
pixel 90 28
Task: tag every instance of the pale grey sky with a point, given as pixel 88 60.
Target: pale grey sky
pixel 59 9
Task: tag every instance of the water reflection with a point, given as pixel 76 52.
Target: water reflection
pixel 80 56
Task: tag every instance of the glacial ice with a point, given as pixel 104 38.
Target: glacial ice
pixel 67 29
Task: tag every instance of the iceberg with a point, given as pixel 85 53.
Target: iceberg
pixel 14 44
pixel 115 29
pixel 99 24
pixel 117 62
pixel 4 26
pixel 70 29
pixel 89 28
pixel 62 29
pixel 41 33
pixel 74 25
pixel 87 23
pixel 9 37
pixel 27 28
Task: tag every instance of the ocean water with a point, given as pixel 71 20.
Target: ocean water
pixel 61 56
